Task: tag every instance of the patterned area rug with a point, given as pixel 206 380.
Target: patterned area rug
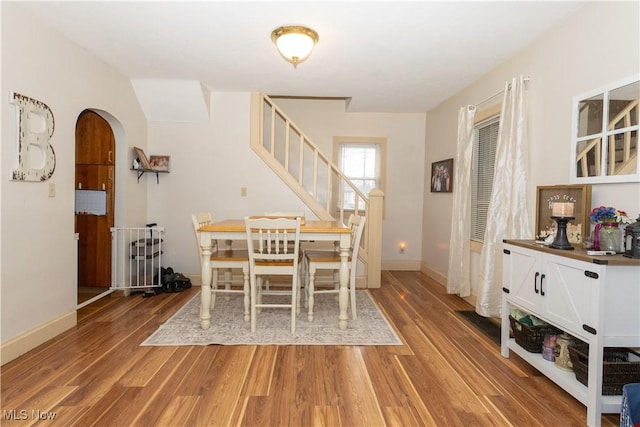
pixel 273 328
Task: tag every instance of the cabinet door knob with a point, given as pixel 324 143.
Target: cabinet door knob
pixel 535 282
pixel 541 279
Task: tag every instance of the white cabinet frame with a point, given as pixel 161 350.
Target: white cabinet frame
pixel 595 299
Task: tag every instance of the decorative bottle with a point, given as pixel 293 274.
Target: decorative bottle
pixel 610 237
pixel 562 357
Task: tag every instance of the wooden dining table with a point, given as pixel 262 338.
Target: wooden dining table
pixel 230 230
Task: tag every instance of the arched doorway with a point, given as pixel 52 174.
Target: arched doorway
pixel 95 186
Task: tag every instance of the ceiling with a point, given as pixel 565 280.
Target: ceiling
pixel 386 56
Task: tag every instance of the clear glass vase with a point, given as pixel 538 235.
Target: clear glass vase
pixel 610 237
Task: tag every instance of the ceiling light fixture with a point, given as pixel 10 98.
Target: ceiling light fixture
pixel 294 42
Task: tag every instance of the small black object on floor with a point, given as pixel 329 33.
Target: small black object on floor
pixel 170 281
pixel 484 324
pixel 151 293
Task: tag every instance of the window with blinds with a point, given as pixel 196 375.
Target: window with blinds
pixel 485 138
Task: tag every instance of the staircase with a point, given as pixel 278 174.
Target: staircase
pixel 622 148
pixel 314 178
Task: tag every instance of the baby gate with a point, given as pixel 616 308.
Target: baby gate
pixel 136 257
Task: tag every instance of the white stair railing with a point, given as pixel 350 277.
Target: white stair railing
pixel 620 160
pixel 617 164
pixel 287 146
pixel 314 177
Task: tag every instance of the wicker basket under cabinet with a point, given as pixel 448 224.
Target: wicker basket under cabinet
pixel 531 337
pixel 620 366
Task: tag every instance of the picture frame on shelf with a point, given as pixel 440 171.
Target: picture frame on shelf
pixel 442 176
pixel 160 162
pixel 141 157
pixel 579 194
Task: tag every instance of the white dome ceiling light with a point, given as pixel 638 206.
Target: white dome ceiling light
pixel 295 42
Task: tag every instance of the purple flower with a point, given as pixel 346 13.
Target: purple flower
pixel 603 214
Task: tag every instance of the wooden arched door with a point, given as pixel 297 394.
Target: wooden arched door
pixel 95 171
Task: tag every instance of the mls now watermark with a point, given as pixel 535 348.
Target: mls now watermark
pixel 23 415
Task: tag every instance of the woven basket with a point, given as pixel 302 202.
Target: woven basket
pixel 620 366
pixel 531 337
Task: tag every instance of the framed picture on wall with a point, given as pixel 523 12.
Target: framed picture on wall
pixel 141 158
pixel 159 163
pixel 579 195
pixel 442 176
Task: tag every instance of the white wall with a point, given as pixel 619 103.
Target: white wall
pixel 322 120
pixel 599 44
pixel 211 161
pixel 38 247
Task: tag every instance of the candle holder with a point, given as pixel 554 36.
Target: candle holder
pixel 561 241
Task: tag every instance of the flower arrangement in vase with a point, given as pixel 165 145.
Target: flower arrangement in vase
pixel 607 235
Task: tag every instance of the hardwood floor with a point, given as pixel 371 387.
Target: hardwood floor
pixel 447 374
pixel 85 293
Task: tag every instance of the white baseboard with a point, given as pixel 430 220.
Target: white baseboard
pixel 441 279
pixel 471 299
pixel 21 344
pixel 397 265
pixel 434 274
pixel 195 278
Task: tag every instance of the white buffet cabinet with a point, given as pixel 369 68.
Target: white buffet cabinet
pixel 593 298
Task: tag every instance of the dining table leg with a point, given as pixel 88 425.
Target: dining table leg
pixel 205 291
pixel 343 293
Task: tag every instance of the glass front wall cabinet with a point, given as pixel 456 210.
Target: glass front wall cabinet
pixel 605 134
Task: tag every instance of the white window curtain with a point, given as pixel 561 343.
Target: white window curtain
pixel 508 216
pixel 458 275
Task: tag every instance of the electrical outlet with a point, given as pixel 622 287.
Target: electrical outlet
pixel 52 189
pixel 243 191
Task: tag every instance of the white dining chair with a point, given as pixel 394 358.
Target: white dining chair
pixel 291 215
pixel 317 260
pixel 226 260
pixel 273 245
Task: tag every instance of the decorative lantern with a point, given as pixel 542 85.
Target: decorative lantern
pixel 632 239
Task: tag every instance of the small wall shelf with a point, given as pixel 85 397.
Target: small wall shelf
pixel 141 172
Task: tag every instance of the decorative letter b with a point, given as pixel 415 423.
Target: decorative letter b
pixel 36 158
